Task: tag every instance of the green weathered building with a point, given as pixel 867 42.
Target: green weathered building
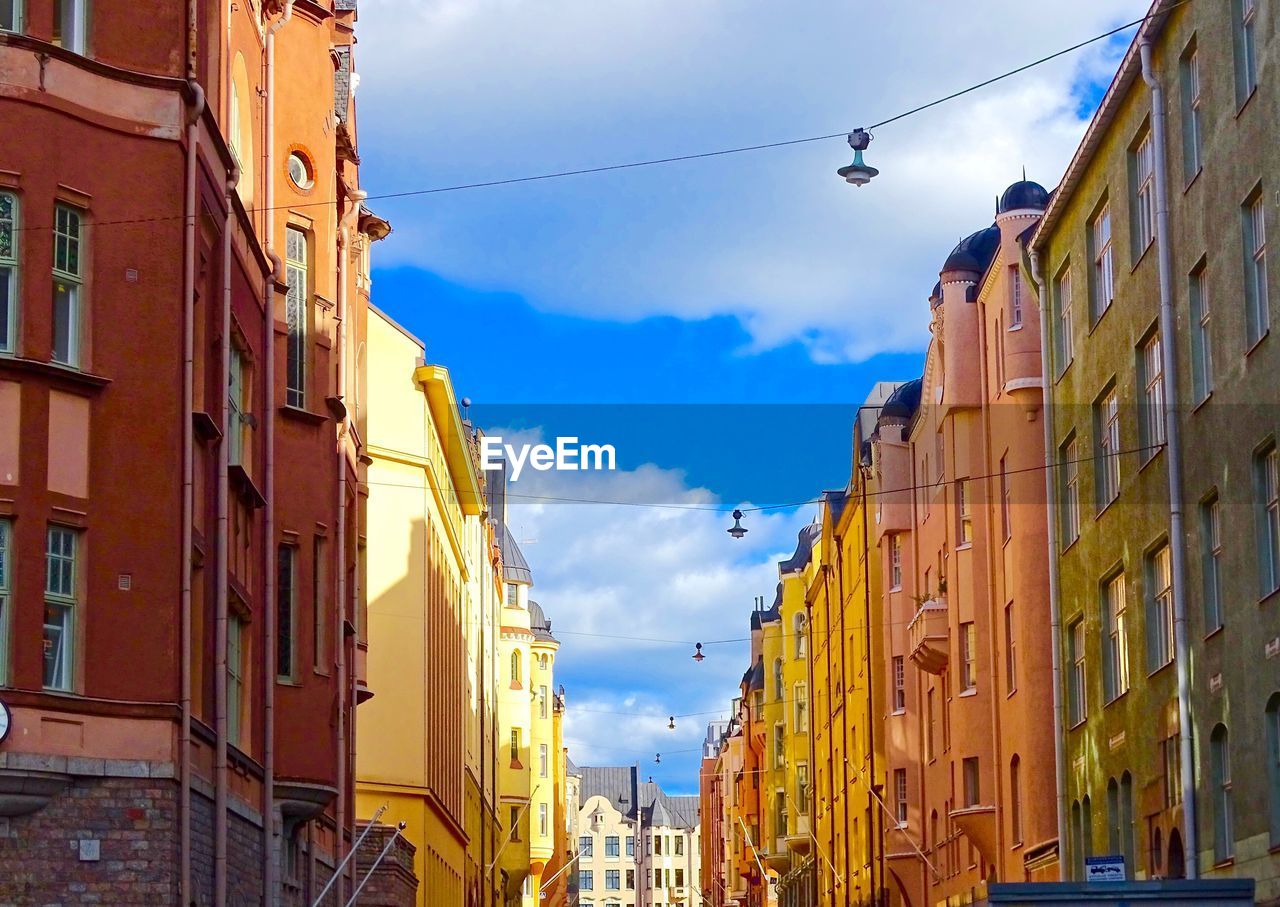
pixel 1158 596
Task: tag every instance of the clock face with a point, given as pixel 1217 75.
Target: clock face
pixel 6 721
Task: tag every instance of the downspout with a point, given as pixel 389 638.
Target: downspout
pixel 877 840
pixel 188 478
pixel 269 460
pixel 355 197
pixel 1172 431
pixel 1055 603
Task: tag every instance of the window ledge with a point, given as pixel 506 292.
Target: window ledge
pixel 1195 178
pixel 1154 455
pixel 244 484
pixel 1116 698
pixel 1257 343
pixel 1069 545
pixel 964 546
pixel 1094 322
pixel 965 694
pixel 1245 103
pixel 53 370
pixel 1105 507
pixel 1162 667
pixel 1267 596
pixel 1014 327
pixel 1151 243
pixel 205 427
pixel 1196 407
pixel 303 415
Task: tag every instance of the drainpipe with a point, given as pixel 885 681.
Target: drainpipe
pixel 269 454
pixel 1173 444
pixel 355 197
pixel 188 477
pixel 1055 602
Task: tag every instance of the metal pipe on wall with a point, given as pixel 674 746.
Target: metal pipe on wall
pixel 1173 444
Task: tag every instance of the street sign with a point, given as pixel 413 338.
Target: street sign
pixel 1104 869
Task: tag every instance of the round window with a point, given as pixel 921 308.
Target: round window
pixel 300 171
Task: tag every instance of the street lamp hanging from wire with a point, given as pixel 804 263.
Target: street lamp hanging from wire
pixel 859 173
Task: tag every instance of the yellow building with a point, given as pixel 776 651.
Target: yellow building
pixel 542 750
pixel 419 737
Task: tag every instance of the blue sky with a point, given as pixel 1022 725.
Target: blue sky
pixel 717 321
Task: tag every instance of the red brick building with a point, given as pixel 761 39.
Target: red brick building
pixel 183 288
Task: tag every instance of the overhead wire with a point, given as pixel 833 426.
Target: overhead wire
pixel 672 159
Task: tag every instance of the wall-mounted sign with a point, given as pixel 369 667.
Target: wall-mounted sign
pixel 1104 869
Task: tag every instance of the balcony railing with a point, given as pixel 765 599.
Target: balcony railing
pixel 928 636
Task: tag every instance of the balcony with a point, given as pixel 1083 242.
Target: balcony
pixel 798 841
pixel 928 636
pixel 980 826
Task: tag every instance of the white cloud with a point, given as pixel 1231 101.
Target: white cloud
pixel 456 92
pixel 666 574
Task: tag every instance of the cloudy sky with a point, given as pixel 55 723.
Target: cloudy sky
pixel 750 279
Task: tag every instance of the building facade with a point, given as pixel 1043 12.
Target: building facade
pixel 1160 295
pixel 225 581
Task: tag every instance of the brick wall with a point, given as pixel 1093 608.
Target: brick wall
pixel 393 883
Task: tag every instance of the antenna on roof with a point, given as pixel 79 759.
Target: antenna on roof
pixel 1024 173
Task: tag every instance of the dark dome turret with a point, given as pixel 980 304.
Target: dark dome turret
pixel 974 252
pixel 1024 194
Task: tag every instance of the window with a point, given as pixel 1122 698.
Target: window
pixel 900 796
pixel 929 751
pixel 1010 649
pixel 6 574
pixel 68 284
pixel 60 593
pixel 972 789
pixel 585 882
pixel 964 512
pixel 1211 559
pixel 300 171
pixel 8 262
pixel 1077 701
pixel 1266 468
pixel 1006 513
pixel 679 875
pixel 899 684
pixel 611 845
pixel 1015 799
pixel 802 787
pixel 779 745
pixel 542 819
pixel 1257 315
pixel 515 821
pixel 235 678
pixel 286 557
pixel 71 25
pixel 237 403
pixel 319 616
pixel 1106 424
pixel 1077 841
pixel 1115 638
pixel 679 843
pixel 1246 17
pixel 657 846
pixel 1015 298
pixel 542 760
pixel 296 306
pixel 1069 460
pixel 1201 343
pixel 613 880
pixel 513 595
pixel 1151 375
pixel 1159 609
pixel 1064 344
pixel 11 15
pixel 542 699
pixel 802 709
pixel 800 641
pixel 517 672
pixel 586 846
pixel 1143 201
pixel 1103 267
pixel 631 846
pixel 515 744
pixel 895 563
pixel 1171 759
pixel 1273 765
pixel 631 878
pixel 968 654
pixel 1223 818
pixel 1192 113
pixel 779 690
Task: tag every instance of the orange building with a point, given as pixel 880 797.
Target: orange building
pixel 960 531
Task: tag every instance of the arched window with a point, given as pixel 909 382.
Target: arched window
pixel 1015 799
pixel 517 675
pixel 1077 842
pixel 1273 765
pixel 1086 828
pixel 1223 824
pixel 800 641
pixel 778 689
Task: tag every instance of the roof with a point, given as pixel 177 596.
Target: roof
pixel 804 549
pixel 619 785
pixel 835 501
pixel 974 252
pixel 1129 71
pixel 515 569
pixel 1023 194
pixel 903 403
pixel 539 623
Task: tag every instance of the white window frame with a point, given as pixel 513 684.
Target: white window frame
pixel 1151 374
pixel 297 310
pixel 1144 196
pixel 543 760
pixel 235 678
pixel 1011 649
pixel 1258 320
pixel 1192 112
pixel 1065 348
pixel 1223 807
pixel 1248 49
pixel 899 684
pixel 1159 614
pixel 68 276
pixel 800 629
pixel 1211 560
pixel 802 787
pixel 1267 490
pixel 964 514
pixel 1078 689
pixel 15 25
pixel 900 802
pixel 1104 287
pixel 1115 638
pixel 1201 334
pixel 73 13
pixel 61 596
pixel 10 264
pixel 779 745
pixel 1006 510
pixel 235 407
pixel 1069 458
pixel 1107 462
pixel 800 710
pixel 895 562
pixel 968 656
pixel 1015 298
